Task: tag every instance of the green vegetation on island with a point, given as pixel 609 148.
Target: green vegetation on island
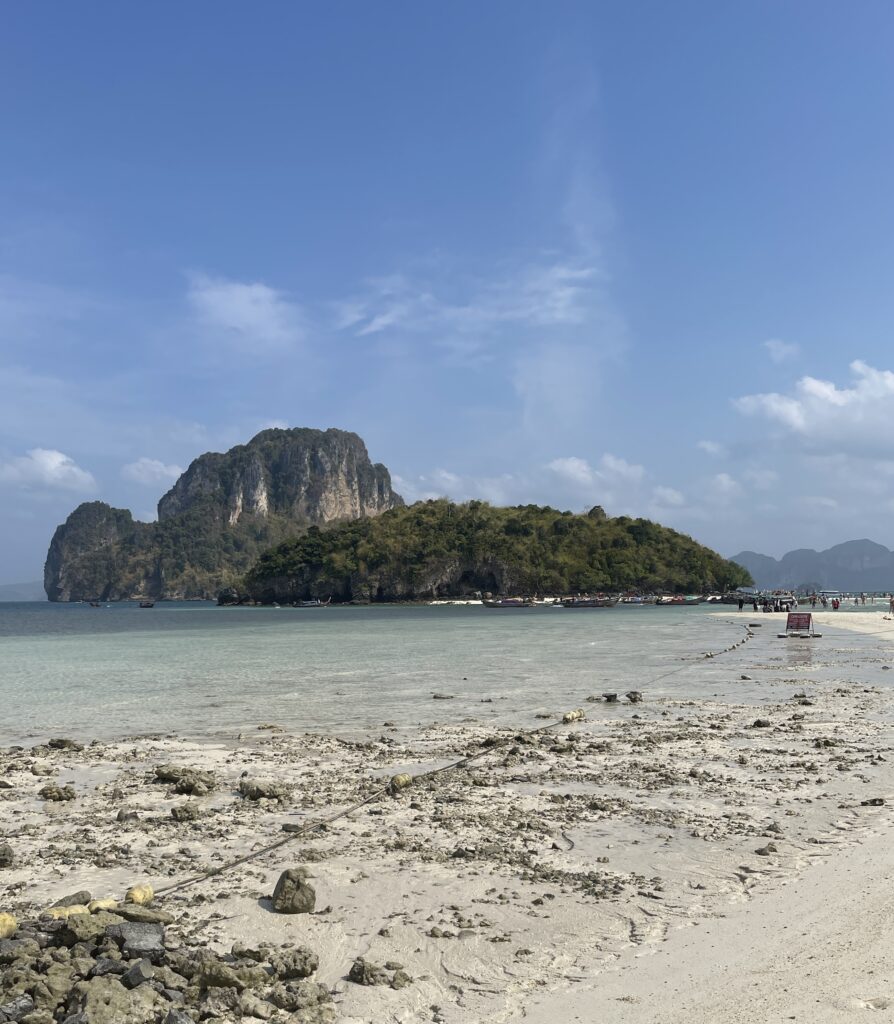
pixel 441 549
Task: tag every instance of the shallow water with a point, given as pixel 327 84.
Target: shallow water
pixel 199 670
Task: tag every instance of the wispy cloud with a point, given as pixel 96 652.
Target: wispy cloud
pixel 781 351
pixel 251 315
pixel 711 447
pixel 47 468
pixel 150 471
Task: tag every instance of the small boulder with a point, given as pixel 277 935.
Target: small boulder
pixel 289 964
pixel 62 743
pixel 81 897
pixel 138 941
pixel 56 793
pixel 185 812
pixel 293 894
pixel 265 789
pixel 141 972
pixel 7 857
pixel 364 973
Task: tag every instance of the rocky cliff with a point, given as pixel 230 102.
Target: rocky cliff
pixel 217 518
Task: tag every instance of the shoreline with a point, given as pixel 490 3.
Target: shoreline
pixel 541 875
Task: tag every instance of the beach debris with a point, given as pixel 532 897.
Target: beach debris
pixel 8 926
pixel 442 696
pixel 265 789
pixel 293 894
pixel 64 913
pixel 7 857
pixel 55 793
pixel 573 716
pixel 399 782
pixel 634 696
pixel 142 894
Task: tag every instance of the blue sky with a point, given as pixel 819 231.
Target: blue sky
pixel 574 253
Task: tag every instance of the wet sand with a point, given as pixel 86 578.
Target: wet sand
pixel 664 860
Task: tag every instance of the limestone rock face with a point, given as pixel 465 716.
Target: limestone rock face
pixel 217 518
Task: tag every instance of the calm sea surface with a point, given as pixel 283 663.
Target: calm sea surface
pixel 199 670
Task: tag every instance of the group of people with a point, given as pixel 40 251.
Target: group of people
pixel 788 602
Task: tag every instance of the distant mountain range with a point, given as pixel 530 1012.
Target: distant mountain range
pixel 855 566
pixel 22 592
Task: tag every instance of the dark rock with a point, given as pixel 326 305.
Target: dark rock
pixel 16 1008
pixel 21 949
pixel 634 696
pixel 104 965
pixel 761 723
pixel 363 973
pixel 177 1017
pixel 143 915
pixel 293 895
pixel 400 979
pixel 137 940
pixel 61 743
pixel 53 792
pixel 139 974
pixel 186 812
pixel 80 898
pixel 190 781
pixel 7 857
pixel 295 963
pixel 873 801
pixel 310 999
pixel 263 789
pixel 127 816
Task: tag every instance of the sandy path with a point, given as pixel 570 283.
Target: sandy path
pixel 818 949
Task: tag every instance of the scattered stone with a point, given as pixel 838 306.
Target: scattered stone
pixel 442 696
pixel 55 793
pixel 16 1008
pixel 189 781
pixel 143 915
pixel 634 696
pixel 400 979
pixel 873 801
pixel 88 927
pixel 761 723
pixel 127 816
pixel 364 973
pixel 299 962
pixel 292 894
pixel 141 972
pixel 263 789
pixel 82 897
pixel 137 940
pixel 62 743
pixel 765 851
pixel 186 812
pixel 105 1000
pixel 610 698
pixel 7 857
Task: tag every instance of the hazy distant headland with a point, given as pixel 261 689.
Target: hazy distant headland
pixel 22 591
pixel 854 566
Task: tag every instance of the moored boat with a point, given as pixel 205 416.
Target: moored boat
pixel 147 604
pixel 507 602
pixel 589 602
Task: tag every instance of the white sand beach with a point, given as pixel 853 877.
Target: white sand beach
pixel 659 861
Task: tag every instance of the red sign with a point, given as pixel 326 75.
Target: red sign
pixel 798 622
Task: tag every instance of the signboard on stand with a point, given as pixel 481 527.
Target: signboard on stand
pixel 799 624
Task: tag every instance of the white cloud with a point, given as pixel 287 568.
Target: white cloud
pixel 724 487
pixel 574 470
pixel 711 447
pixel 150 471
pixel 668 497
pixel 252 315
pixel 612 466
pixel 824 417
pixel 781 351
pixel 46 467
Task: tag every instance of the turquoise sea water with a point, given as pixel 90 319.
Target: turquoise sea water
pixel 199 670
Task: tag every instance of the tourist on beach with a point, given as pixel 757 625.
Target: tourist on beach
pixel 741 603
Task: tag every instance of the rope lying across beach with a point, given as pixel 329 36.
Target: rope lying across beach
pixel 400 782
